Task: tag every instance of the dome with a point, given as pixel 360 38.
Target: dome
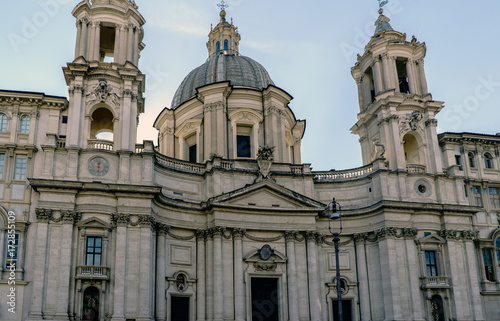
pixel 239 70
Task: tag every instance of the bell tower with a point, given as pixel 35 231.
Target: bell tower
pixel 396 119
pixel 105 84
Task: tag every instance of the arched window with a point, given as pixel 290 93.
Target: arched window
pixel 226 46
pixel 25 124
pixel 217 46
pixel 102 124
pixel 3 123
pixel 488 161
pixel 472 163
pixel 412 155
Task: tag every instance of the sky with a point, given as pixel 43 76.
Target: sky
pixel 308 48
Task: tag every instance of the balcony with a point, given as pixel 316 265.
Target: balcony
pixel 89 272
pixel 100 144
pixel 415 168
pixel 435 282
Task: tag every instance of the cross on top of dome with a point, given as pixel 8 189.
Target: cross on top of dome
pixel 381 4
pixel 223 5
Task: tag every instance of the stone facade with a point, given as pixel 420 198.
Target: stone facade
pixel 235 227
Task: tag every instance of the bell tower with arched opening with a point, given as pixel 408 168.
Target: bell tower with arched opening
pixel 105 84
pixel 396 119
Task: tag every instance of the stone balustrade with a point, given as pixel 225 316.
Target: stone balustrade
pixel 100 144
pixel 92 272
pixel 343 175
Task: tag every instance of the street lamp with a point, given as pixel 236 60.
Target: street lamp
pixel 334 213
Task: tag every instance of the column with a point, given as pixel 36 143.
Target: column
pixel 135 48
pixel 364 292
pixel 379 85
pixel 130 42
pixel 422 77
pixel 120 275
pixel 475 291
pixel 210 276
pixel 65 265
pixel 361 98
pixel 293 300
pixel 116 54
pixel 200 275
pixel 207 135
pixel 367 98
pixel 312 273
pixel 387 76
pixel 239 286
pixel 390 281
pixel 414 271
pixel 218 281
pixel 91 41
pixel 78 36
pixel 410 70
pixel 393 73
pixel 97 41
pixel 39 265
pixel 146 283
pixel 83 38
pixel 221 133
pixel 125 120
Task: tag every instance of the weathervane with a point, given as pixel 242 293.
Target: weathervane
pixel 223 6
pixel 381 4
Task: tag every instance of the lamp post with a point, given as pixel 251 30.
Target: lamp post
pixel 334 213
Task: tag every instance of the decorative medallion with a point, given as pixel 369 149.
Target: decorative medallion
pixel 180 283
pixel 98 166
pixel 265 160
pixel 266 252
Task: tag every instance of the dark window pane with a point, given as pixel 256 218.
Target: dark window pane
pixel 243 146
pixel 192 153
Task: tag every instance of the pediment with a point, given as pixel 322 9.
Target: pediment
pixel 267 195
pixel 432 239
pixel 93 223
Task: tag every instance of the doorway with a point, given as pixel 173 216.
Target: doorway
pixel 179 308
pixel 265 299
pixel 346 310
pixel 91 304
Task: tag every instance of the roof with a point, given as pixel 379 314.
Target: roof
pixel 238 70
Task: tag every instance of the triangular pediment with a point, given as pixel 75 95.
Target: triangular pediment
pixel 267 195
pixel 93 222
pixel 432 239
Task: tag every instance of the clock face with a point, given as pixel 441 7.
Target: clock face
pixel 98 166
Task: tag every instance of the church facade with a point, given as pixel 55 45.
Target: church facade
pixel 220 219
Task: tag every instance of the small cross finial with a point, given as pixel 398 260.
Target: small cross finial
pixel 223 6
pixel 381 4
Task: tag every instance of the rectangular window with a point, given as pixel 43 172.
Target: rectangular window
pixel 346 310
pixel 243 146
pixel 2 164
pixel 64 119
pixel 3 123
pixel 94 251
pixel 12 250
pixel 494 197
pixel 192 153
pixel 20 168
pixel 431 263
pixel 458 161
pixel 107 44
pixel 488 265
pixel 476 192
pixel 25 125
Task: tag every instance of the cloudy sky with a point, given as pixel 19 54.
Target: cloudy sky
pixel 308 47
